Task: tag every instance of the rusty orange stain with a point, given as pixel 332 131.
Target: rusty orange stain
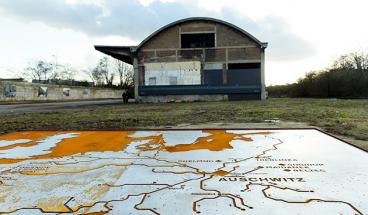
pixel 220 173
pixel 34 136
pixel 102 141
pixel 217 173
pixel 87 141
pixel 156 142
pixel 54 204
pixel 218 140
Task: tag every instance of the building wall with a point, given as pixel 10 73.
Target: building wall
pixel 231 46
pixel 21 91
pixel 166 39
pixel 230 37
pixel 225 36
pixel 197 26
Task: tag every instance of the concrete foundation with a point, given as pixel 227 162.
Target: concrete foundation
pixel 185 98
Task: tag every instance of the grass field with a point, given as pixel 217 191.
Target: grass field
pixel 343 117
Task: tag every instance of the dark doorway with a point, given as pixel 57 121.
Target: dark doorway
pixel 202 40
pixel 213 77
pixel 243 74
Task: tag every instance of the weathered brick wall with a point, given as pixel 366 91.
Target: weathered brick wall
pixel 230 37
pixel 197 26
pixel 167 39
pixel 225 37
pixel 249 53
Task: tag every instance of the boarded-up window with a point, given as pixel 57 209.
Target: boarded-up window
pixel 152 81
pixel 173 80
pixel 243 74
pixel 178 73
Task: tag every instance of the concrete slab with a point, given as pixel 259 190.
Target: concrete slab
pixel 223 171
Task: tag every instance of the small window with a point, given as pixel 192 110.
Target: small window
pixel 173 80
pixel 244 65
pixel 201 40
pixel 152 81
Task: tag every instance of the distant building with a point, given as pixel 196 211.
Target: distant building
pixel 196 59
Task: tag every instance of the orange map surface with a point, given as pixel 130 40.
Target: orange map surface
pixel 182 172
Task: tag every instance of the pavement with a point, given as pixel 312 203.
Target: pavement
pixel 24 108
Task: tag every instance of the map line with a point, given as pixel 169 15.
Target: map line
pixel 308 200
pixel 234 168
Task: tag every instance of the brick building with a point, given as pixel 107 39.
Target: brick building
pixel 196 59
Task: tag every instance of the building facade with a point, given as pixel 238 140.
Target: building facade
pixel 196 59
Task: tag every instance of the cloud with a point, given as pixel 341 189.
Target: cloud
pixel 134 20
pixel 284 45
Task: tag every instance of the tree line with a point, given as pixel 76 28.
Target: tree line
pixel 347 77
pixel 107 72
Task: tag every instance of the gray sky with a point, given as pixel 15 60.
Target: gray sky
pixel 303 35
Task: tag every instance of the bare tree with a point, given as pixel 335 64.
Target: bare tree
pixel 125 73
pixel 355 60
pixel 105 72
pixel 360 60
pixel 100 74
pixel 95 75
pixel 39 70
pixel 67 72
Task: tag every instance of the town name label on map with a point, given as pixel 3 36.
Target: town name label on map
pixel 244 179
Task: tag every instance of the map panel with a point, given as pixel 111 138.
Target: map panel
pixel 301 171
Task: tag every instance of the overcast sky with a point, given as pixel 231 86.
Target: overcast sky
pixel 303 35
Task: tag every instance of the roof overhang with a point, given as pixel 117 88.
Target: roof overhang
pixel 123 53
pixel 264 45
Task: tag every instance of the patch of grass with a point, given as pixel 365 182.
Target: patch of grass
pixel 345 117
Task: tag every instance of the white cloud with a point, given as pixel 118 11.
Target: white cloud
pixel 303 35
